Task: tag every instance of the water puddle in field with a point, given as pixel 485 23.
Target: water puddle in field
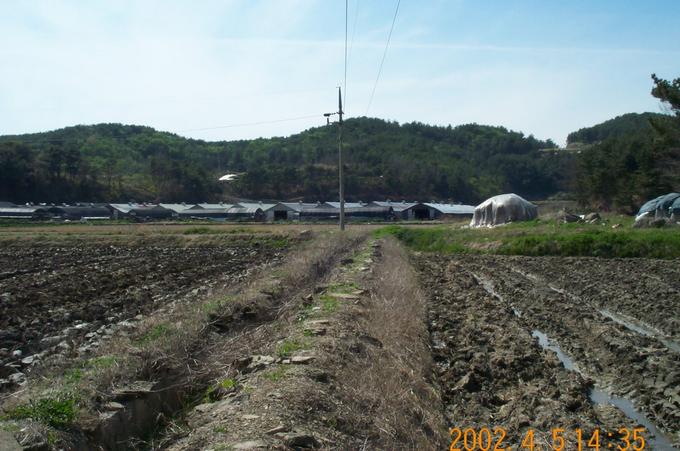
pixel 546 343
pixel 489 288
pixel 641 329
pixel 655 439
pixel 636 326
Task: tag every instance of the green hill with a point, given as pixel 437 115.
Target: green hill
pixel 626 124
pixel 108 162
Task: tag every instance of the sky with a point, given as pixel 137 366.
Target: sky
pixel 241 69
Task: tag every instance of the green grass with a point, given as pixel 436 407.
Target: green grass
pixel 200 231
pixel 329 304
pixel 346 287
pixel 216 305
pixel 59 412
pixel 540 237
pixel 288 347
pixel 276 375
pixel 156 332
pixel 212 393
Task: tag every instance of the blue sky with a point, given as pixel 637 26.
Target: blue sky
pixel 541 67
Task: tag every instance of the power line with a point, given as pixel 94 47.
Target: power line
pixel 345 81
pixel 387 45
pixel 354 32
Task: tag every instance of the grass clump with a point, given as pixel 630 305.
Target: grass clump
pixel 59 411
pixel 200 231
pixel 155 333
pixel 215 305
pixel 214 392
pixel 103 362
pixel 288 347
pixel 347 287
pixel 276 375
pixel 329 304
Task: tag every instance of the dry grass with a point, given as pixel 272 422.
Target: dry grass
pixel 395 382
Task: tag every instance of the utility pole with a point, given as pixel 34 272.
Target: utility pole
pixel 340 171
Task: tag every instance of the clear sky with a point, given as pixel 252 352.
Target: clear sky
pixel 544 67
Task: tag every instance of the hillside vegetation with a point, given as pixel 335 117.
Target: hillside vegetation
pixel 384 159
pixel 627 160
pixel 637 157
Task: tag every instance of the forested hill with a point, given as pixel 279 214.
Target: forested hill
pixel 113 162
pixel 626 124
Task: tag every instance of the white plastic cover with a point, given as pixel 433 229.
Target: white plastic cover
pixel 502 209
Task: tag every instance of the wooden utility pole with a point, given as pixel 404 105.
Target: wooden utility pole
pixel 340 171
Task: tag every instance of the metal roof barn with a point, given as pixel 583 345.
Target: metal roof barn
pixel 177 208
pixel 24 213
pixel 207 213
pixel 80 212
pixel 347 204
pixel 245 214
pixel 408 210
pixel 324 213
pixel 213 206
pixel 451 210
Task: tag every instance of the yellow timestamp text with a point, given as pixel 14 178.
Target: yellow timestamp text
pixel 495 439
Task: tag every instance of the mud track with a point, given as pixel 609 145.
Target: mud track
pixel 484 310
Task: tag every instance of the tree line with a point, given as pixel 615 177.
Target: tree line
pixel 623 162
pixel 633 158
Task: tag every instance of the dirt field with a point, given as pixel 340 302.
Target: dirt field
pixel 615 321
pixel 63 299
pixel 227 341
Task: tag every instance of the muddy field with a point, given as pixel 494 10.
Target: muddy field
pixel 62 300
pixel 545 343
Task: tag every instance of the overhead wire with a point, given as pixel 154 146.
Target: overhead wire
pixel 382 61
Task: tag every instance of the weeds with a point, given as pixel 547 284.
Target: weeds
pixel 156 332
pixel 276 375
pixel 346 287
pixel 535 238
pixel 288 347
pixel 200 231
pixel 59 412
pixel 329 304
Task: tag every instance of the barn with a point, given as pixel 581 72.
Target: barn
pixel 272 211
pixel 80 212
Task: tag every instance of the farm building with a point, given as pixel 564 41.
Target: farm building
pixel 347 205
pixel 502 209
pixel 177 208
pixel 451 211
pixel 351 213
pixel 207 206
pixel 140 211
pixel 272 211
pixel 204 213
pixel 83 211
pixel 297 207
pixel 24 212
pixel 237 213
pixel 407 211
